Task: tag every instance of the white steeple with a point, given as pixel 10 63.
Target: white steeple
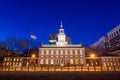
pixel 61 30
pixel 61 26
pixel 61 36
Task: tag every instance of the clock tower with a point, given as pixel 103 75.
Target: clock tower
pixel 61 37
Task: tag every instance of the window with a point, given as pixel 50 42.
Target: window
pixel 104 64
pixel 14 59
pixel 47 52
pixel 76 52
pixel 51 62
pixel 20 64
pixel 66 52
pixel 8 59
pixel 20 59
pixel 41 61
pixel 76 61
pixel 42 52
pixel 4 64
pixel 111 63
pixel 57 52
pixel 7 63
pixel 71 52
pixel 52 52
pixel 107 63
pixel 57 61
pixel 17 59
pixel 112 35
pixel 66 61
pixel 71 61
pixel 116 32
pixel 81 52
pixel 47 61
pixel 81 61
pixel 61 52
pixel 5 59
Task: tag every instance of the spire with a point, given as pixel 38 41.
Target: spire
pixel 61 26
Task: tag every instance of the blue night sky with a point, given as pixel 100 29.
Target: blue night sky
pixel 83 20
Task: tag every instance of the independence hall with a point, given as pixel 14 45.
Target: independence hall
pixel 61 55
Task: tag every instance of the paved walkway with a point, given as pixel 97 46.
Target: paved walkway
pixel 59 75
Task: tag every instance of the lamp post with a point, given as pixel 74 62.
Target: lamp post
pixel 93 57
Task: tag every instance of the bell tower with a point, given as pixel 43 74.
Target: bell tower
pixel 61 36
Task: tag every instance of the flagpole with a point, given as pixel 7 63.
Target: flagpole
pixel 31 37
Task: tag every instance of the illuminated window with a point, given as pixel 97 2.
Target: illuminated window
pixel 81 61
pixel 17 59
pixel 66 52
pixel 107 63
pixel 14 59
pixel 41 61
pixel 46 61
pixel 76 52
pixel 118 64
pixel 114 64
pixel 7 63
pixel 71 61
pixel 14 64
pixel 52 52
pixel 111 63
pixel 81 52
pixel 57 52
pixel 71 52
pixel 47 52
pixel 76 61
pixel 10 63
pixel 51 62
pixel 4 63
pixel 42 52
pixel 8 59
pixel 20 59
pixel 104 64
pixel 61 52
pixel 20 64
pixel 5 59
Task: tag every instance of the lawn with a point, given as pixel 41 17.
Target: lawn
pixel 59 75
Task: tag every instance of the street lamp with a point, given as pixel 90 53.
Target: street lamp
pixel 92 55
pixel 33 55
